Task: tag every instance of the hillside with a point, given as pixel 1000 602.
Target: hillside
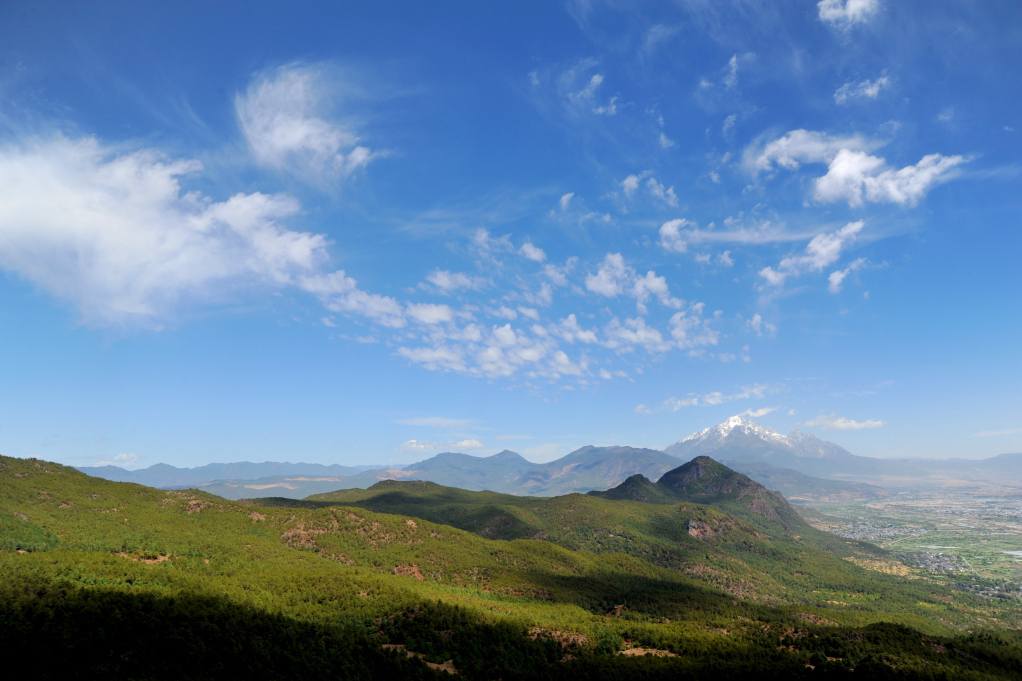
pixel 705 481
pixel 99 578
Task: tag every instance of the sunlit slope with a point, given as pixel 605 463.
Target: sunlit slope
pixel 211 564
pixel 761 551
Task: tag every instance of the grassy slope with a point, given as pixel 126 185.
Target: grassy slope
pixel 804 570
pixel 333 566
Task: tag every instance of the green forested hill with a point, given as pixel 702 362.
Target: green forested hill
pixel 109 579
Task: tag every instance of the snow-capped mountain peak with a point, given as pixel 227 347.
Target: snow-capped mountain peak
pixel 736 424
pixel 740 438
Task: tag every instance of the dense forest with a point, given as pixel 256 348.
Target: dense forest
pixel 414 580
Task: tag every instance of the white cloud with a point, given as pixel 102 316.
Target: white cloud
pixel 846 13
pixel 634 332
pixel 115 235
pixel 441 358
pixel 630 184
pixel 863 89
pixel 429 447
pixel 448 282
pixel 643 409
pixel 674 404
pixel 340 293
pixel 609 279
pixel 569 330
pixel 725 259
pixel 855 175
pixel 671 237
pixel 659 191
pixel 128 461
pixel 282 117
pixel 834 422
pixel 731 77
pixel 430 313
pixel 586 96
pixel 690 330
pixel 666 142
pixel 801 146
pixel 837 277
pixel 614 278
pixel 532 252
pixel 729 125
pixel 649 285
pixel 998 433
pixel 852 174
pixel 822 250
pixel 717 397
pixel 759 327
pixel 566 200
pixel 756 413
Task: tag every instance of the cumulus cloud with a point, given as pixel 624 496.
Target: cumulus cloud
pixel 822 250
pixel 801 146
pixel 532 252
pixel 856 176
pixel 863 89
pixel 756 413
pixel 115 235
pixel 284 117
pixel 430 313
pixel 853 174
pixel 340 293
pixel 760 327
pixel 834 422
pixel 659 191
pixel 447 282
pixel 671 237
pixel 630 184
pixel 837 277
pixel 846 13
pixel 614 277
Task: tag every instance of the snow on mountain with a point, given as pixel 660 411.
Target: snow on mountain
pixel 742 439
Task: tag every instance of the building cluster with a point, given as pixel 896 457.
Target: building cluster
pixel 941 563
pixel 867 532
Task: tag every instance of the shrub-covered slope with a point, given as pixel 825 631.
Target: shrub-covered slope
pixel 122 581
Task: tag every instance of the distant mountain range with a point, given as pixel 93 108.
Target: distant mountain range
pixel 740 441
pixel 799 465
pixel 167 476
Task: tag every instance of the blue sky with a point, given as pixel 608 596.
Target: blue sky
pixel 370 232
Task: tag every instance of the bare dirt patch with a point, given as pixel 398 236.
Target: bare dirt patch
pixel 256 517
pixel 409 571
pixel 816 619
pixel 148 561
pixel 447 666
pixel 641 652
